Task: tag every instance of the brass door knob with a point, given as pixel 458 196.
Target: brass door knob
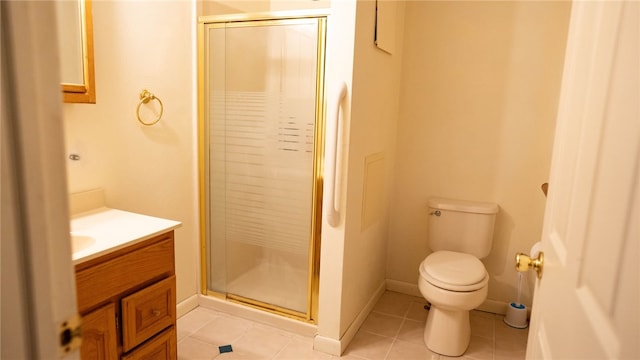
pixel 524 263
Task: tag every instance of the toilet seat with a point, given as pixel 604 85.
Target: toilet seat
pixel 454 271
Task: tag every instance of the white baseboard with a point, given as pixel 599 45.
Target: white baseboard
pixel 246 312
pixel 348 335
pixel 187 305
pixel 336 347
pixel 403 287
pixel 327 345
pixel 492 306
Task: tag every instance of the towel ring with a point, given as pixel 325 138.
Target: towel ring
pixel 145 97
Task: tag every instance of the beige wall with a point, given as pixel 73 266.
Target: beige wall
pixel 220 7
pixel 480 87
pixel 149 170
pixel 339 68
pixel 372 136
pixel 469 99
pixel 354 252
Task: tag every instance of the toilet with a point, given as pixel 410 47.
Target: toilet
pixel 452 278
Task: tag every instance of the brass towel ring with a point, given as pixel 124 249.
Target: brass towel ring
pixel 145 97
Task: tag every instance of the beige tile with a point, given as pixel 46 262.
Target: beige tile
pixel 194 349
pixel 394 330
pixel 502 354
pixel 484 314
pixel 349 357
pixel 240 354
pixel 480 348
pixel 394 303
pixel 511 343
pixel 403 350
pixel 303 339
pixel 417 311
pixel 369 346
pixel 297 349
pixel 412 331
pixel 482 325
pixel 194 321
pixel 382 324
pixel 262 342
pixel 506 332
pixel 274 329
pixel 222 330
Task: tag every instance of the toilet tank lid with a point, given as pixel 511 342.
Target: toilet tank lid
pixel 476 207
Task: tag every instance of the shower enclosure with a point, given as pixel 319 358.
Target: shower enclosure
pixel 261 148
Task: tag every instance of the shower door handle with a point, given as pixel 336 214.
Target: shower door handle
pixel 334 176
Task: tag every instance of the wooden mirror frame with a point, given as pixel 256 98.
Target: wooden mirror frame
pixel 84 93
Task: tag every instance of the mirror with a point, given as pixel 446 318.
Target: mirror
pixel 75 45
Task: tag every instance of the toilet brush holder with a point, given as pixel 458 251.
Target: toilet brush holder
pixel 516 316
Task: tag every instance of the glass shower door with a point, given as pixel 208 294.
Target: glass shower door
pixel 264 158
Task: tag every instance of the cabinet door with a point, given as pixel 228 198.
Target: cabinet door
pixel 147 312
pixel 99 334
pixel 162 347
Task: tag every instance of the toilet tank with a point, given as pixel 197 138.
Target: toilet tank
pixel 462 226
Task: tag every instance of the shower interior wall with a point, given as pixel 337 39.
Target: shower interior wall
pixel 504 98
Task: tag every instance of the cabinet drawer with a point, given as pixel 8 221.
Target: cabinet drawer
pixel 147 312
pixel 162 346
pixel 104 280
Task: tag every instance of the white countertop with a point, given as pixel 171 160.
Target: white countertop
pixel 114 229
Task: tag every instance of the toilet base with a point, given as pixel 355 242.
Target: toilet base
pixel 447 332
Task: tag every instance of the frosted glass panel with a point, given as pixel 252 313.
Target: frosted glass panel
pixel 216 225
pixel 262 113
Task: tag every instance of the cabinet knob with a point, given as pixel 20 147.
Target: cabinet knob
pixel 156 312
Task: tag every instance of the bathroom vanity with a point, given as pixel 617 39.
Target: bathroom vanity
pixel 126 285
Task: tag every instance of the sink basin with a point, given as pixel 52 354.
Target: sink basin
pixel 81 242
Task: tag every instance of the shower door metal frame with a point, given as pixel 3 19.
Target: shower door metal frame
pixel 205 23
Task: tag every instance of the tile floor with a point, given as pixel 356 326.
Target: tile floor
pixel 393 330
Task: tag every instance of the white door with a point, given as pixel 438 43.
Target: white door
pixel 38 288
pixel 586 304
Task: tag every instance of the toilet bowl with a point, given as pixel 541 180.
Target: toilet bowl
pixel 454 283
pixel 452 278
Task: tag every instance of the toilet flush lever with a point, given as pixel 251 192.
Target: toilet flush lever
pixel 524 263
pixel 436 213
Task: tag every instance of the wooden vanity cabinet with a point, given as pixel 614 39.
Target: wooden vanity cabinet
pixel 99 336
pixel 127 299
